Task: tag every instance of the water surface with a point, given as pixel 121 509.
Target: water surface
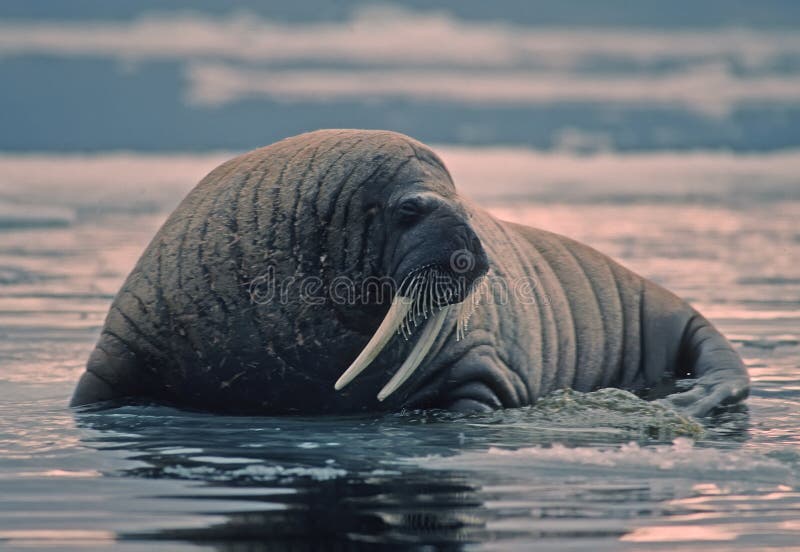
pixel 602 471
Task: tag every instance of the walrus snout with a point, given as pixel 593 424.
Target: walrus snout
pixel 471 262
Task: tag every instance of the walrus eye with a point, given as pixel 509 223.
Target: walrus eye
pixel 412 209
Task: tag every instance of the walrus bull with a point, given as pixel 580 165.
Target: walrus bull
pixel 291 270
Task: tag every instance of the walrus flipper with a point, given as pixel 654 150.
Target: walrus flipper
pixel 113 371
pixel 721 374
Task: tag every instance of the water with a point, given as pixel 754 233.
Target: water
pixel 666 134
pixel 598 471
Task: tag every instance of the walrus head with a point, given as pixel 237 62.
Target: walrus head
pixel 435 259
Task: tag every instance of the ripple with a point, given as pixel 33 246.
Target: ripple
pixel 16 217
pixel 681 459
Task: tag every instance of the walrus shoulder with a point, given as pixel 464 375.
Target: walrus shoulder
pixel 112 372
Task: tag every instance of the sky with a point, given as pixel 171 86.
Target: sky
pixel 579 76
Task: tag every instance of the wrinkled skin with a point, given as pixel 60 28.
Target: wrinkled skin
pixel 196 325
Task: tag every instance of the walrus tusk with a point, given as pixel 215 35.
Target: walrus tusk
pixel 397 312
pixel 429 334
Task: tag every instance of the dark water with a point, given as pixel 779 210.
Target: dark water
pixel 599 471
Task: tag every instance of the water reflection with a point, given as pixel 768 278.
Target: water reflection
pixel 343 483
pixel 327 484
pixel 442 509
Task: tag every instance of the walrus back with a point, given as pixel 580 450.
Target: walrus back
pixel 600 324
pixel 188 312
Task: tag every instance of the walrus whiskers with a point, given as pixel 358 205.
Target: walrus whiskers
pixel 417 299
pixel 402 313
pixel 467 307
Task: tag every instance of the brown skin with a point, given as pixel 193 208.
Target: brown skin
pixel 194 324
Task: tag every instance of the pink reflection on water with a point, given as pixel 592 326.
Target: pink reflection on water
pixel 681 533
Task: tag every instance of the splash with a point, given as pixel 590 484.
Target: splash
pixel 616 408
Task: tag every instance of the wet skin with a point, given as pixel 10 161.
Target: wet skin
pixel 256 295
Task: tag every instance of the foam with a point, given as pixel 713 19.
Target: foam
pixel 253 472
pixel 681 459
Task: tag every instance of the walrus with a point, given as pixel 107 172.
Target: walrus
pixel 339 271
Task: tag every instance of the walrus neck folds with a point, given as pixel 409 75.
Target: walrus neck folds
pixel 425 295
